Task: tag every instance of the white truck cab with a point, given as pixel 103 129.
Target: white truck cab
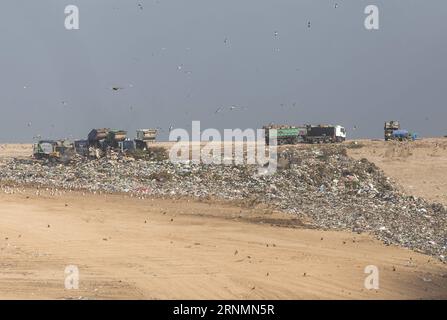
pixel 340 133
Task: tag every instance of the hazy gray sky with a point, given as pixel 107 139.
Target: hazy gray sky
pixel 180 61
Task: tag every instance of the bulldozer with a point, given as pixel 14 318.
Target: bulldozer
pixel 54 150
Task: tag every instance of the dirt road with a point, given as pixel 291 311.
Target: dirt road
pixel 163 249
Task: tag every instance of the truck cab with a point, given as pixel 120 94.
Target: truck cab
pixel 325 134
pixel 340 134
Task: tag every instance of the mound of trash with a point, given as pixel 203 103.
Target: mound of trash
pixel 321 183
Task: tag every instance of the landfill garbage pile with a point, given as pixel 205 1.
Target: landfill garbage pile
pixel 321 183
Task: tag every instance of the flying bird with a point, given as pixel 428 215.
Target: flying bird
pixel 219 110
pixel 234 107
pixel 230 108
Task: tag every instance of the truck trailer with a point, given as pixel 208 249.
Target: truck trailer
pixel 284 134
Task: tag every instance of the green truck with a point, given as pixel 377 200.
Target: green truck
pixel 285 134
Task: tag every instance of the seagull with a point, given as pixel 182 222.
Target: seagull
pixel 140 6
pixel 276 33
pixel 234 107
pixel 230 108
pixel 336 5
pixel 308 24
pixel 219 110
pixel 117 88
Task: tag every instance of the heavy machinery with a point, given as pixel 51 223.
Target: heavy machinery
pixel 54 150
pixel 284 134
pixel 145 137
pixel 106 138
pixel 394 132
pixel 81 147
pixel 389 128
pixel 114 138
pixel 325 134
pixel 403 135
pixel 127 145
pixel 96 137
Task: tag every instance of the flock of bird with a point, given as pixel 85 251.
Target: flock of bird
pixel 219 110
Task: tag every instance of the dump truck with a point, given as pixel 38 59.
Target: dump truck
pixel 97 136
pixel 114 137
pixel 106 138
pixel 394 132
pixel 285 134
pixel 145 137
pixel 54 150
pixel 325 134
pixel 389 128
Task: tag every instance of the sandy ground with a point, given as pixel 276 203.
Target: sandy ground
pixel 163 249
pixel 15 151
pixel 420 167
pixel 128 248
